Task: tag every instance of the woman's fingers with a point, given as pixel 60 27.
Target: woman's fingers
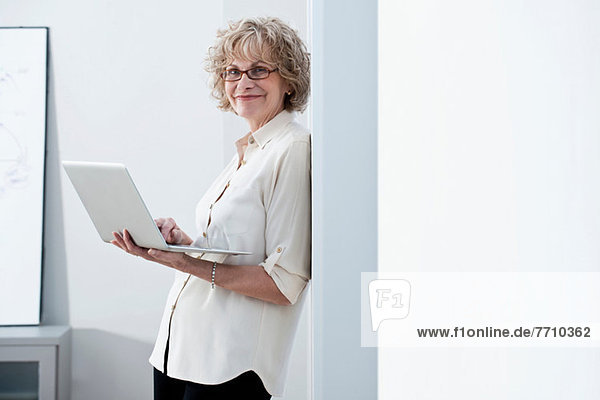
pixel 165 229
pixel 131 246
pixel 160 222
pixel 119 241
pixel 174 236
pixel 166 226
pixel 116 244
pixel 126 243
pixel 171 232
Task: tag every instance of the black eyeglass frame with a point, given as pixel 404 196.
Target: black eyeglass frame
pixel 223 74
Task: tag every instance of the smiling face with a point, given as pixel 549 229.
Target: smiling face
pixel 257 101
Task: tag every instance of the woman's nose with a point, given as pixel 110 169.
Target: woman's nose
pixel 245 82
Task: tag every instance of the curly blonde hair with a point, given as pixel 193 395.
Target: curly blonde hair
pixel 266 39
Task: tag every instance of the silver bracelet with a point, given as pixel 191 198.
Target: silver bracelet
pixel 212 282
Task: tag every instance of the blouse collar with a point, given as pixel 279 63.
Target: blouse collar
pixel 265 133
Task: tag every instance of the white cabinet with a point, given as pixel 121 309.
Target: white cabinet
pixel 35 363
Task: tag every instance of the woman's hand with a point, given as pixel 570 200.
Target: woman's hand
pixel 126 243
pixel 171 232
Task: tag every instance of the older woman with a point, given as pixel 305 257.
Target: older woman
pixel 229 323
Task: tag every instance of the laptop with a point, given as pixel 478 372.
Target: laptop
pixel 114 203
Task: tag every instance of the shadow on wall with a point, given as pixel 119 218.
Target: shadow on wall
pixel 109 366
pixel 55 293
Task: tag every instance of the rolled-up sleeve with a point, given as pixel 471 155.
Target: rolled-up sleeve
pixel 288 221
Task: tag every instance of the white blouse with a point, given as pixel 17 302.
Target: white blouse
pixel 259 203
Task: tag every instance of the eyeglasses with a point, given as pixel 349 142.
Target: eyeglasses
pixel 255 74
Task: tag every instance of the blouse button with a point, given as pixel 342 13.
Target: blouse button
pixel 279 249
pixel 251 140
pixel 204 234
pixel 243 162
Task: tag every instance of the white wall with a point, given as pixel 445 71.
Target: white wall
pixel 489 161
pixel 126 84
pixel 344 193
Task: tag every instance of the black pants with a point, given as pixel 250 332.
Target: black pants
pixel 247 386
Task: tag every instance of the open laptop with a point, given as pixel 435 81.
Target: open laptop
pixel 114 203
